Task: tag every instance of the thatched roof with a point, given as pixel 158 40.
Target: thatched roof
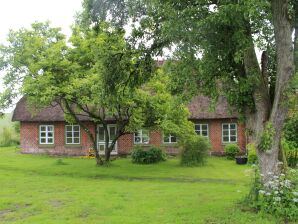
pixel 199 109
pixel 50 113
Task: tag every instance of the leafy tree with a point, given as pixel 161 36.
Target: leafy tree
pixel 215 46
pixel 97 74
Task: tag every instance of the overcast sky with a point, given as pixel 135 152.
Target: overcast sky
pixel 15 14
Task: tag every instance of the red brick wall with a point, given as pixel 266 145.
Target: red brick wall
pixel 215 134
pixel 30 144
pixel 29 136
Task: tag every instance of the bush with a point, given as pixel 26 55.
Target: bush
pixel 291 153
pixel 252 153
pixel 195 151
pixel 231 150
pixel 7 138
pixel 279 196
pixel 142 156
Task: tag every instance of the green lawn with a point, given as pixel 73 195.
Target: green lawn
pixel 38 189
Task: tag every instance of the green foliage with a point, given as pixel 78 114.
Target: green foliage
pixel 267 137
pixel 291 153
pixel 97 72
pixel 17 127
pixel 231 150
pixel 252 153
pixel 147 156
pixel 194 151
pixel 7 137
pixel 278 196
pixel 290 130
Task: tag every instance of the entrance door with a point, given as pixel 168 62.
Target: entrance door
pixel 101 138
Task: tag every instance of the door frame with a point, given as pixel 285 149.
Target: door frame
pixel 102 143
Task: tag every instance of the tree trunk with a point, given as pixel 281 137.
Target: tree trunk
pixel 285 69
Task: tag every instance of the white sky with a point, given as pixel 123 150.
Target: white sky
pixel 15 14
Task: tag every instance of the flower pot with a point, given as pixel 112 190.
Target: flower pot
pixel 241 160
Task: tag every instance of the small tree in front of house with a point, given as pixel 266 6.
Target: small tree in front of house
pixel 97 74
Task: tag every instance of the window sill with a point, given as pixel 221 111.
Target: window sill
pixel 46 145
pixel 226 143
pixel 72 146
pixel 175 144
pixel 142 144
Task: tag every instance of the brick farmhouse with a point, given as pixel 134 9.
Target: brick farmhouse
pixel 47 131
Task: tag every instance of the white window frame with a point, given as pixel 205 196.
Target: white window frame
pixel 46 137
pixel 169 137
pixel 229 132
pixel 201 133
pixel 72 134
pixel 141 136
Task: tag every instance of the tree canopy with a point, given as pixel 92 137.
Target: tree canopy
pixel 96 74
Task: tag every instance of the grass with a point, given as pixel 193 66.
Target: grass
pixel 43 189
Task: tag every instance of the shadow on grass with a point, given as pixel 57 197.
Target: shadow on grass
pixel 122 178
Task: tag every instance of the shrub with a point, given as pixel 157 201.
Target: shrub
pixel 231 150
pixel 195 151
pixel 291 153
pixel 7 138
pixel 278 196
pixel 142 156
pixel 252 153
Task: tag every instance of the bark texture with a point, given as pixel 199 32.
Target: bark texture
pixel 285 70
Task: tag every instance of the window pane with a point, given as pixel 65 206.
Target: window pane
pixel 68 134
pixel 50 134
pixel 198 132
pixel 112 133
pixel 204 133
pixel 42 134
pixel 233 138
pixel 42 140
pixel 173 138
pixel 197 127
pixel 42 128
pixel 76 140
pixel 166 139
pixel 225 133
pixel 233 132
pixel 76 134
pixel 68 128
pixel 68 140
pixel 137 139
pixel 205 127
pixel 101 134
pixel 50 140
pixel 101 148
pixel 225 126
pixel 50 128
pixel 145 139
pixel 76 128
pixel 232 126
pixel 226 139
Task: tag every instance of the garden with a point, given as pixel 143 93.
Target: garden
pixel 43 189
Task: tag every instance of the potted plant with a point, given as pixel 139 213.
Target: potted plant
pixel 241 159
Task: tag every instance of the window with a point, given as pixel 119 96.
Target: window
pixel 169 138
pixel 141 137
pixel 46 134
pixel 229 132
pixel 202 129
pixel 72 133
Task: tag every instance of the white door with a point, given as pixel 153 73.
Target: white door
pixel 101 138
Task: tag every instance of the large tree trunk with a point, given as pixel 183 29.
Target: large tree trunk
pixel 285 69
